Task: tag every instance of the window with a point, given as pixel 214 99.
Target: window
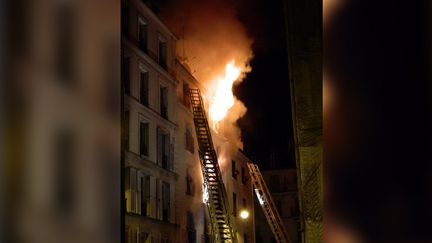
pixel 146 203
pixel 186 99
pixel 144 138
pixel 165 150
pixel 244 203
pixel 158 203
pixel 162 52
pixel 133 233
pixel 189 183
pixel 142 34
pixel 243 175
pixel 144 237
pixel 125 75
pixel 166 204
pixel 234 204
pixel 164 102
pixel 191 233
pixel 233 169
pixel 130 189
pixel 139 193
pixel 144 87
pixel 189 141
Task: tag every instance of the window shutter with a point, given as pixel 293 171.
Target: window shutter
pixel 128 189
pixel 158 199
pixel 159 147
pixel 144 133
pixel 140 180
pixel 153 198
pixel 166 151
pixel 144 88
pixel 146 197
pixel 133 181
pixel 171 158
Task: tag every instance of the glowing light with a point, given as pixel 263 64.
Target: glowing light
pixel 259 196
pixel 223 99
pixel 205 194
pixel 244 214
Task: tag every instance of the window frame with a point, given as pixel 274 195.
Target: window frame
pixel 163 62
pixel 143 46
pixel 143 69
pixel 143 120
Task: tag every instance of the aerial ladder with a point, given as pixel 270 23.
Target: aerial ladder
pixel 224 229
pixel 267 204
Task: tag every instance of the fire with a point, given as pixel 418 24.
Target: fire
pixel 223 99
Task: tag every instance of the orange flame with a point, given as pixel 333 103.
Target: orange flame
pixel 223 99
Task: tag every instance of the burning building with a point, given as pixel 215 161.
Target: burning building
pixel 163 182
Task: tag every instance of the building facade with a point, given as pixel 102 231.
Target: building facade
pixel 283 188
pixel 194 219
pixel 163 182
pixel 149 86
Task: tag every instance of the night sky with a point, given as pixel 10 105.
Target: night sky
pixel 267 125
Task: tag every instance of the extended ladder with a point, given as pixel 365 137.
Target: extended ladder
pixel 224 229
pixel 268 205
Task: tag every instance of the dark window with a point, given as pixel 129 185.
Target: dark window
pixel 166 201
pixel 189 183
pixel 233 169
pixel 142 34
pixel 186 99
pixel 144 88
pixel 235 204
pixel 126 236
pixel 143 237
pixel 245 238
pixel 189 141
pixel 146 206
pixel 296 207
pixel 191 233
pixel 142 195
pixel 125 74
pixel 162 53
pixel 144 135
pixel 164 102
pixel 165 150
pixel 243 175
pixel 244 203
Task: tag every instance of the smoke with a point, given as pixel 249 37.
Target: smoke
pixel 210 36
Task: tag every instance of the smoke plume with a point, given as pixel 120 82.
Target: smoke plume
pixel 210 36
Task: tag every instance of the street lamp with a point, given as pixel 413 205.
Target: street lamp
pixel 244 214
